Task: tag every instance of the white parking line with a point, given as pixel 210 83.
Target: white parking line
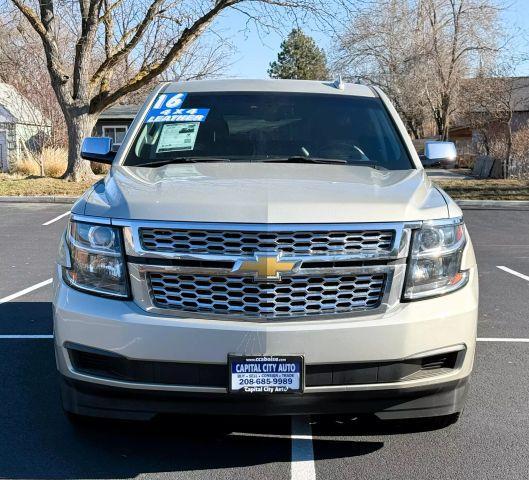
pixel 62 215
pixel 302 467
pixel 504 340
pixel 26 290
pixel 513 272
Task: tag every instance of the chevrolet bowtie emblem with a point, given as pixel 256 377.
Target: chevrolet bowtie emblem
pixel 266 266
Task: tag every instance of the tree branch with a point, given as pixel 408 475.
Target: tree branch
pixel 149 72
pixel 141 28
pixel 43 27
pixel 32 18
pixel 90 10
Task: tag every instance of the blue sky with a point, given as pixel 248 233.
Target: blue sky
pixel 254 53
pixel 255 50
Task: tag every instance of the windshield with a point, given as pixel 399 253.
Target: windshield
pixel 258 127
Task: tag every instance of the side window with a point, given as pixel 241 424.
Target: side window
pixel 116 133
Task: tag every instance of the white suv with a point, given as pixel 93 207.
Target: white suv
pixel 265 247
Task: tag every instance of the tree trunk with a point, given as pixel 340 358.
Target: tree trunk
pixel 507 168
pixel 412 126
pixel 443 125
pixel 79 126
pixel 439 126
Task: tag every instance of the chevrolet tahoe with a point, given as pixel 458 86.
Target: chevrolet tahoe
pixel 269 247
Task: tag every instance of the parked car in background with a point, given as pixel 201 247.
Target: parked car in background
pixel 265 247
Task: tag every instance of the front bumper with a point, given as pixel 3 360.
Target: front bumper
pixel 410 330
pixel 88 399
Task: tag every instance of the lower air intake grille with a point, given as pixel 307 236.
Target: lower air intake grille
pixel 290 296
pixel 109 365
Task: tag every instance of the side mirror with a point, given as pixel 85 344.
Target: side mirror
pixel 440 153
pixel 98 149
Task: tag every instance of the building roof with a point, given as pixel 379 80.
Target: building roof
pixel 19 108
pixel 520 94
pixel 516 87
pixel 269 85
pixel 120 112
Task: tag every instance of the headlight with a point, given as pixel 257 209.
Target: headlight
pixel 95 262
pixel 435 264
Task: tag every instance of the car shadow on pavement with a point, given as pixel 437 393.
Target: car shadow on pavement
pixel 370 425
pixel 38 441
pixel 22 318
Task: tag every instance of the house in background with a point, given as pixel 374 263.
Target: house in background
pixel 467 137
pixel 23 128
pixel 114 122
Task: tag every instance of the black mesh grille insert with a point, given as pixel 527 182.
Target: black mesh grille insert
pixel 108 365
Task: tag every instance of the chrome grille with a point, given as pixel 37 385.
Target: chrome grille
pixel 243 295
pixel 224 242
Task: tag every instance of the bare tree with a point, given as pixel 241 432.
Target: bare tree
pixel 488 106
pixel 29 75
pixel 121 46
pixel 381 47
pixel 458 36
pixel 419 51
pixel 208 57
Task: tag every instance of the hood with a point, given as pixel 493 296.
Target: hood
pixel 265 193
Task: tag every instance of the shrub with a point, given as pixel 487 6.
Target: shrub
pixel 520 153
pixel 55 162
pixel 27 166
pixel 99 168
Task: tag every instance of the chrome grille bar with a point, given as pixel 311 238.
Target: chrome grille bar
pixel 400 236
pixel 230 242
pixel 296 295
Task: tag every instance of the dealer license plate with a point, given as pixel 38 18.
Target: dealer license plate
pixel 265 374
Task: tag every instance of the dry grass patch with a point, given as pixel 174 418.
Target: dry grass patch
pixel 487 189
pixel 55 161
pixel 22 185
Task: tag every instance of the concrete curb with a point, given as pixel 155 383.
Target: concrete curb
pixel 494 204
pixel 39 199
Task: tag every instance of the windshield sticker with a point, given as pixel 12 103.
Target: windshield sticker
pixel 166 108
pixel 177 137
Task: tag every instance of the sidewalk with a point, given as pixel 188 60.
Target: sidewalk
pixel 38 199
pixel 453 174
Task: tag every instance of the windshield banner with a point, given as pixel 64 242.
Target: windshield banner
pixel 166 108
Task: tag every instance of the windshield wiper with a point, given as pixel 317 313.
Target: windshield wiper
pixel 302 159
pixel 161 163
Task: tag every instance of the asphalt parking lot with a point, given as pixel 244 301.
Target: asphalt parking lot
pixel 36 440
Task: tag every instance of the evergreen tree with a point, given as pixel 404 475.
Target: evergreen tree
pixel 299 58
